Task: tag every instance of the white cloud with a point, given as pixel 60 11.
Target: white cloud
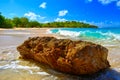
pixel 89 22
pixel 107 1
pixel 43 5
pixel 118 3
pixel 60 20
pixel 33 16
pixel 63 12
pixel 104 2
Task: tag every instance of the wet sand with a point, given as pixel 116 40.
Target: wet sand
pixel 12 68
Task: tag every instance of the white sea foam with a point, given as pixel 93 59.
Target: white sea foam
pixel 36 72
pixel 15 65
pixel 42 73
pixel 87 34
pixel 68 33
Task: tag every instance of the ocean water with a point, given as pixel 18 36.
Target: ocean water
pixel 98 35
pixel 13 68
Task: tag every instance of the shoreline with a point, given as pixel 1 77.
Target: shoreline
pixel 11 38
pixel 33 31
pixel 24 28
pixel 16 36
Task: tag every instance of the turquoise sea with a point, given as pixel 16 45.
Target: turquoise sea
pixel 99 35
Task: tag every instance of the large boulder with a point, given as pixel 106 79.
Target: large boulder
pixel 74 57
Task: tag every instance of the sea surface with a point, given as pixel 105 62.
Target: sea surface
pixel 98 35
pixel 14 68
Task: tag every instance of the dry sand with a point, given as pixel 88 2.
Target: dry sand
pixel 13 37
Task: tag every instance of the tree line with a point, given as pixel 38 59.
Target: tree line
pixel 24 22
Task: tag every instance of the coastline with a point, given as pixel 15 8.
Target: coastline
pixel 11 38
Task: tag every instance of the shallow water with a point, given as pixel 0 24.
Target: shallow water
pixel 12 68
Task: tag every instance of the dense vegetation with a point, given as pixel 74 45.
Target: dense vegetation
pixel 24 22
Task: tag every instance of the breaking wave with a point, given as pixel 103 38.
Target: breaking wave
pixel 98 34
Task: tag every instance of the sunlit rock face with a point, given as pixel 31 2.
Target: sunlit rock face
pixel 73 57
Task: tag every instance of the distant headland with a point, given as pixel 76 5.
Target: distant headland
pixel 23 22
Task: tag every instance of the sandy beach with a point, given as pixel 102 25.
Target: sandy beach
pixel 13 37
pixel 12 68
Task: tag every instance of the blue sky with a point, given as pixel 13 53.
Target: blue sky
pixel 103 13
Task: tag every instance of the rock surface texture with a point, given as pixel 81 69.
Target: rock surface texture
pixel 74 57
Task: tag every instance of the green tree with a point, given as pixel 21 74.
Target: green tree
pixel 34 24
pixel 16 21
pixel 8 23
pixel 24 22
pixel 2 21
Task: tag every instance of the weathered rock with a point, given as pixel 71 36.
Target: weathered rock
pixel 74 57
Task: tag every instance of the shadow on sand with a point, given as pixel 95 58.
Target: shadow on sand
pixel 107 74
